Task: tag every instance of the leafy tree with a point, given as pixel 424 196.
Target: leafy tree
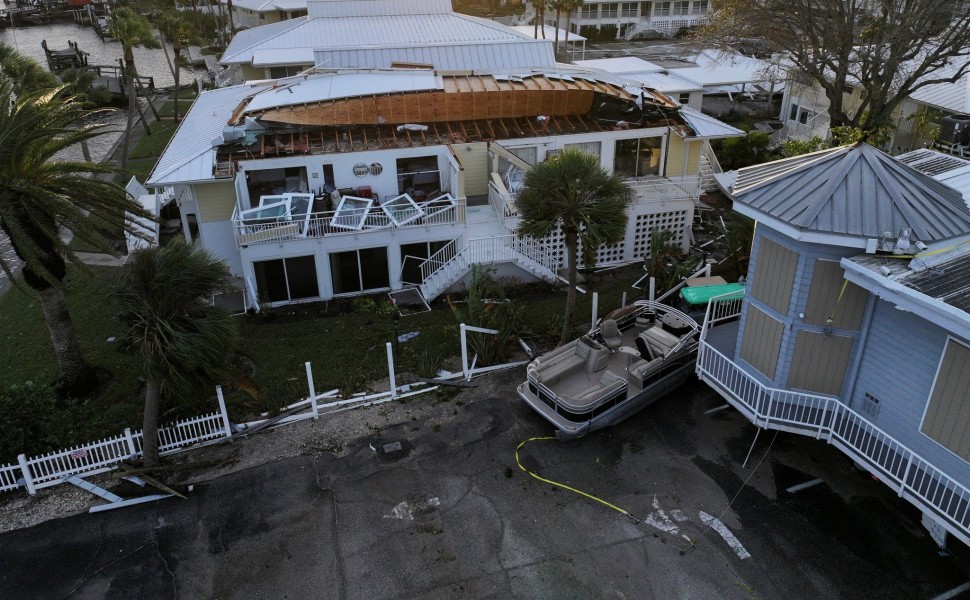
pixel 164 300
pixel 40 196
pixel 574 193
pixel 737 152
pixel 133 31
pixel 890 48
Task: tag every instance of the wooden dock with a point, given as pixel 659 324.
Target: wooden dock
pixel 71 57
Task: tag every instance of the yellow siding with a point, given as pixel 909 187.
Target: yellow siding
pixel 474 158
pixel 250 72
pixel 677 150
pixel 216 201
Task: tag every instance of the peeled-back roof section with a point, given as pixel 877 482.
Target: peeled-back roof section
pixel 855 191
pixel 455 98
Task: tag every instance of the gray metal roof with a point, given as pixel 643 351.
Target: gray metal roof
pixel 449 41
pixel 853 191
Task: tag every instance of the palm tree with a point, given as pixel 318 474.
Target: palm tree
pixel 132 30
pixel 164 299
pixel 570 7
pixel 178 31
pixel 574 193
pixel 40 196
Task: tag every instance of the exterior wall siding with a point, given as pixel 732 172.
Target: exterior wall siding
pixel 947 418
pixel 216 201
pixel 899 371
pixel 760 341
pixel 474 160
pixel 683 157
pixel 800 286
pixel 819 362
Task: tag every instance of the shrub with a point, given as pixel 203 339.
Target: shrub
pixel 31 422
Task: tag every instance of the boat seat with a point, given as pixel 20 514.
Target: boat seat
pixel 571 358
pixel 659 341
pixel 611 334
pixel 641 367
pixel 609 383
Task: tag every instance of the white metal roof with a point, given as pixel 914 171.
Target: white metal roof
pixel 548 32
pixel 718 68
pixel 189 155
pixel 270 57
pixel 267 5
pixel 477 56
pixel 331 86
pixel 449 41
pixel 953 97
pixel 621 65
pixel 707 127
pixel 363 8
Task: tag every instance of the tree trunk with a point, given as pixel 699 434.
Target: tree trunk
pixel 78 379
pixel 177 51
pixel 558 17
pixel 149 428
pixel 572 269
pixel 168 59
pixel 126 140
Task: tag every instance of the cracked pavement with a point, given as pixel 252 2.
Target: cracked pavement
pixel 455 518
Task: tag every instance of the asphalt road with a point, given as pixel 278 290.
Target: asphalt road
pixel 453 517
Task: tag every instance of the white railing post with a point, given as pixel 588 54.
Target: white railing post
pixel 623 300
pixel 653 289
pixel 596 308
pixel 222 410
pixel 390 368
pixel 130 441
pixel 25 469
pixel 313 393
pixel 464 350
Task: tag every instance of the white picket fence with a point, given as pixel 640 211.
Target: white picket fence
pixel 97 457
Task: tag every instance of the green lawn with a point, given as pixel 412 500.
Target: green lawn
pixel 346 350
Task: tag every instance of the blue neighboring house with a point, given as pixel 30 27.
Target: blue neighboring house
pixel 854 326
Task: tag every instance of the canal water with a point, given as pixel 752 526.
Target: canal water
pixel 150 62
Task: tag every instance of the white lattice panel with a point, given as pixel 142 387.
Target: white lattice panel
pixel 675 221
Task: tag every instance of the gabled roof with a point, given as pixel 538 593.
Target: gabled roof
pixel 190 154
pixel 850 192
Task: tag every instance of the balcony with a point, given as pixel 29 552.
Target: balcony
pixel 276 222
pixel 826 417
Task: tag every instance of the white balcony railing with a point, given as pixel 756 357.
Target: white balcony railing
pixel 350 221
pixel 826 417
pixel 666 189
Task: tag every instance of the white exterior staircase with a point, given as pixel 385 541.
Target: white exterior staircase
pixel 708 166
pixel 455 260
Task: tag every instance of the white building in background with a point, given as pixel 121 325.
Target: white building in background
pixel 253 13
pixel 626 19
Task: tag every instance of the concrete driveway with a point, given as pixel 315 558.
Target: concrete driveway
pixel 452 516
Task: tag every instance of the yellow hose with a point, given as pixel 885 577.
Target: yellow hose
pixel 563 486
